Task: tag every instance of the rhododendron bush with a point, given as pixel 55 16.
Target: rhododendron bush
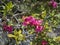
pixel 29 22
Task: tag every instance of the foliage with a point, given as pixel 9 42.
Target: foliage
pixel 34 27
pixel 7 8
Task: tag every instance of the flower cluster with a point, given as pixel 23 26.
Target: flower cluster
pixel 53 3
pixel 34 22
pixel 8 28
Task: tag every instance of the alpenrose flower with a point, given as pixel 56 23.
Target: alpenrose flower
pixel 27 20
pixel 53 3
pixel 34 22
pixel 39 28
pixel 44 42
pixel 7 28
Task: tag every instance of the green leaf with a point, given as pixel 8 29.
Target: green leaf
pixel 7 8
pixel 58 15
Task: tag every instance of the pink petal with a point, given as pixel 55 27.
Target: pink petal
pixel 44 42
pixel 55 5
pixel 39 28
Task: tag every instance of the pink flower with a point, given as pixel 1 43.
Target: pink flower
pixel 32 21
pixel 53 3
pixel 28 20
pixel 44 42
pixel 36 22
pixel 7 28
pixel 39 28
pixel 40 21
pixel 25 23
